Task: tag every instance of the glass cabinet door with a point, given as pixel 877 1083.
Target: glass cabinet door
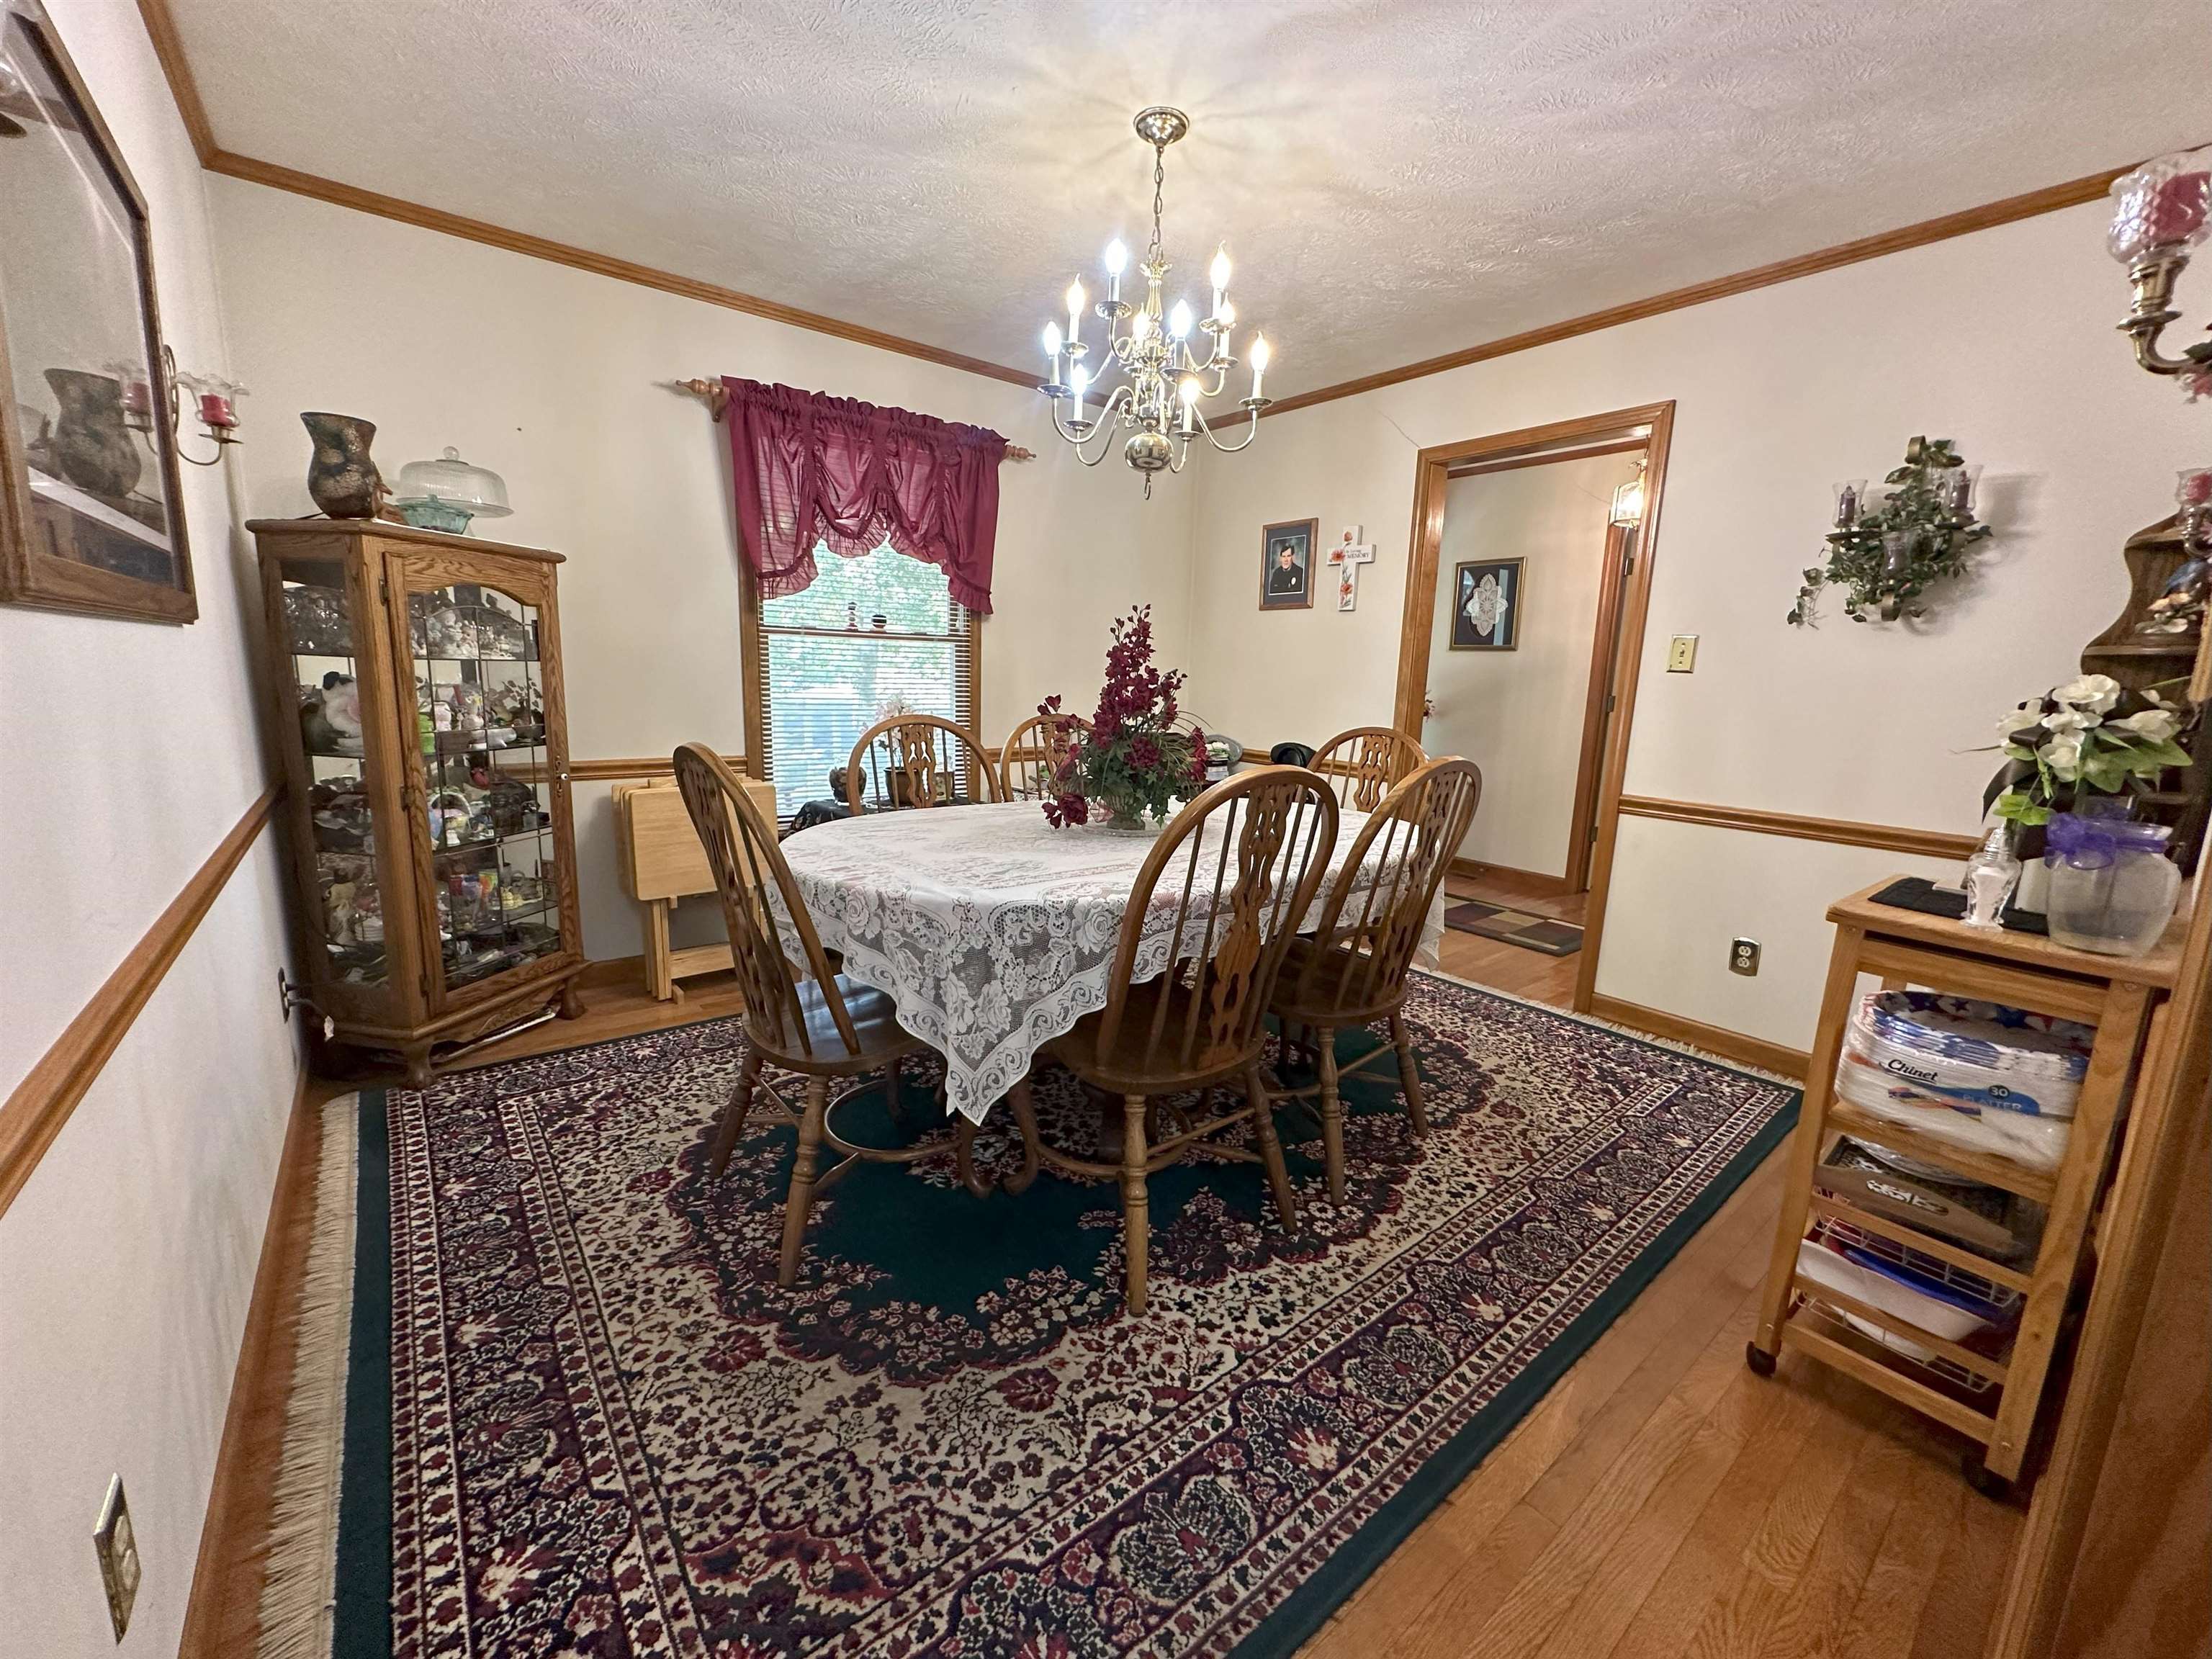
pixel 323 628
pixel 487 799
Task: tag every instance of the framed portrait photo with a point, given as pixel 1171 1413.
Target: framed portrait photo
pixel 1486 605
pixel 91 515
pixel 1286 565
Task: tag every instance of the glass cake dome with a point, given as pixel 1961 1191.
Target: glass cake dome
pixel 446 493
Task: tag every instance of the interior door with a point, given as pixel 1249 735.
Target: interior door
pixel 486 772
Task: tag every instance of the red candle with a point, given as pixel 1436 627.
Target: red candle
pixel 137 398
pixel 215 410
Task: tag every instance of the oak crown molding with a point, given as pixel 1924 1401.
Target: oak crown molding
pixel 168 47
pixel 2028 206
pixel 40 1104
pixel 1889 838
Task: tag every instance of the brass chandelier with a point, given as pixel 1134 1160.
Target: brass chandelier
pixel 1155 405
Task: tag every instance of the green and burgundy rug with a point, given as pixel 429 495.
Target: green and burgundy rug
pixel 581 1418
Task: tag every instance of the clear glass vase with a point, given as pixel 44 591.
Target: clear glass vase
pixel 2112 888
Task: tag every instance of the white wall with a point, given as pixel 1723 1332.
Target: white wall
pixel 1518 714
pixel 127 752
pixel 555 378
pixel 2002 340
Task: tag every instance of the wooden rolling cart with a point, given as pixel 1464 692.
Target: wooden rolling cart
pixel 2121 997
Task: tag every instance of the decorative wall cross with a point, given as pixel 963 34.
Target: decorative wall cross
pixel 1345 558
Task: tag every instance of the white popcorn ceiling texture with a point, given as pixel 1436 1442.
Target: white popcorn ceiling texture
pixel 1393 179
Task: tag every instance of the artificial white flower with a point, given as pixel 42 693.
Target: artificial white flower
pixel 2072 719
pixel 2153 724
pixel 2063 755
pixel 2019 720
pixel 2095 692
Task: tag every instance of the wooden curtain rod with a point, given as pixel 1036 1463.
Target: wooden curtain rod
pixel 716 396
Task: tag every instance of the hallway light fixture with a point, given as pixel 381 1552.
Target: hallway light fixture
pixel 1628 499
pixel 1163 380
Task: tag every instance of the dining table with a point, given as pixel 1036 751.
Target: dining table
pixel 994 932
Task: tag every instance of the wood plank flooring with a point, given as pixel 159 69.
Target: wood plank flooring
pixel 1660 1503
pixel 1663 1503
pixel 1513 967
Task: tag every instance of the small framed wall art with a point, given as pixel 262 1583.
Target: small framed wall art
pixel 1486 605
pixel 91 516
pixel 1286 565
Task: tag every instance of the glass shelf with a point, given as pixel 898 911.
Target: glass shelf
pixel 475 668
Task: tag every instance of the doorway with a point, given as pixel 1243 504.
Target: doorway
pixel 1525 602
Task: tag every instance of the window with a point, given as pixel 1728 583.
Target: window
pixel 869 631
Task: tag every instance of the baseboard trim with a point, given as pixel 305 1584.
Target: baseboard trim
pixel 1530 884
pixel 245 1469
pixel 1714 1039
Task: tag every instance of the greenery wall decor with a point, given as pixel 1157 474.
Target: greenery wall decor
pixel 1885 558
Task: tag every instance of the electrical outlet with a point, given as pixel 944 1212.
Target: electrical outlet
pixel 1682 654
pixel 117 1546
pixel 1743 956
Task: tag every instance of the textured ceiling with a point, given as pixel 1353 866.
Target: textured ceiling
pixel 1393 180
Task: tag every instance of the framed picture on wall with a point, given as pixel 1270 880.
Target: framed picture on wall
pixel 91 516
pixel 1286 565
pixel 1486 605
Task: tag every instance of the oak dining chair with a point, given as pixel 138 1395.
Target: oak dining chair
pixel 1350 969
pixel 1030 759
pixel 917 760
pixel 1213 908
pixel 1363 764
pixel 823 1026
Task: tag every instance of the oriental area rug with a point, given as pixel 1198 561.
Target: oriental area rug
pixel 580 1416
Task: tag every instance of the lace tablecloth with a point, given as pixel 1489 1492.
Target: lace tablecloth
pixel 993 932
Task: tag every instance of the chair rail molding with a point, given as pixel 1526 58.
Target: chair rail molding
pixel 1889 838
pixel 34 1112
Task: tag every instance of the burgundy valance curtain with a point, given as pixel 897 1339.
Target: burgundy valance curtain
pixel 809 467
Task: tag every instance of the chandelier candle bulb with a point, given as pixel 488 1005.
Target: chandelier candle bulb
pixel 1075 311
pixel 1117 261
pixel 1078 380
pixel 1179 321
pixel 1220 273
pixel 1261 355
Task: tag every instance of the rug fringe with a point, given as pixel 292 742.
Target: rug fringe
pixel 298 1591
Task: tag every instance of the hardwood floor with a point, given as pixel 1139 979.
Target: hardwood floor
pixel 1660 1503
pixel 1663 1503
pixel 1513 967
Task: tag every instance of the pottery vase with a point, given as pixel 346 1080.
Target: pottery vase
pixel 341 477
pixel 91 444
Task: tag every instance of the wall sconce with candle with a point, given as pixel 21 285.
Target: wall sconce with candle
pixel 2159 215
pixel 215 403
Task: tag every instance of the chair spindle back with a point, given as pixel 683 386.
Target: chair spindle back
pixel 1226 886
pixel 1370 922
pixel 1031 758
pixel 750 871
pixel 1364 764
pixel 916 760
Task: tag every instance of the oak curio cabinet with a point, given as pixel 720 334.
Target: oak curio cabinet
pixel 417 696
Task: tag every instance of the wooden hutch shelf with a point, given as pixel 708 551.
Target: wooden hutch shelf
pixel 417 706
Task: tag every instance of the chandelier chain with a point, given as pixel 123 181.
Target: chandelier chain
pixel 1160 198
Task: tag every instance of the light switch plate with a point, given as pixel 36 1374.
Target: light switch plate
pixel 116 1544
pixel 1682 654
pixel 1743 956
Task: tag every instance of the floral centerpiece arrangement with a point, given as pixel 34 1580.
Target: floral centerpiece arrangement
pixel 2091 736
pixel 1134 761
